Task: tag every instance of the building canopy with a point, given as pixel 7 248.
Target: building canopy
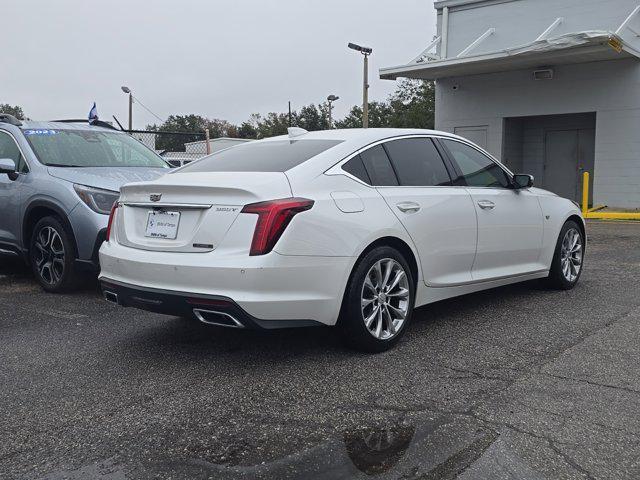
pixel 578 47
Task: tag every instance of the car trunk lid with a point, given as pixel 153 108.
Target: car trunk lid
pixel 197 208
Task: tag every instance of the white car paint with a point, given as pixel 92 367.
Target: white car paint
pixel 458 246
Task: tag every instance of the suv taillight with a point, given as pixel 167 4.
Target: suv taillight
pixel 111 217
pixel 273 218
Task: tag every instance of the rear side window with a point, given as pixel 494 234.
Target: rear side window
pixel 272 156
pixel 417 162
pixel 477 169
pixel 378 167
pixel 356 168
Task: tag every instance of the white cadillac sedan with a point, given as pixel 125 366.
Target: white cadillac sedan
pixel 352 228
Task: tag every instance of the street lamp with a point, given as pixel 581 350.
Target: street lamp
pixel 365 51
pixel 128 91
pixel 331 99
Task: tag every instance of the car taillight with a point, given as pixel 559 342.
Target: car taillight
pixel 273 218
pixel 111 216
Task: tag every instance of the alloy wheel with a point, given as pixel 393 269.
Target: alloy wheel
pixel 385 299
pixel 571 255
pixel 49 255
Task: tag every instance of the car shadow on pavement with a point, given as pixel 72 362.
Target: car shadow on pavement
pixel 170 336
pixel 16 270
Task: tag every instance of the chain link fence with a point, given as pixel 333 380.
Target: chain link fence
pixel 177 148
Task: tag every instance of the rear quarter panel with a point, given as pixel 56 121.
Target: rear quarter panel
pixel 326 230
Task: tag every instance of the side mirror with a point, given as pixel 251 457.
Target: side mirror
pixel 522 180
pixel 8 166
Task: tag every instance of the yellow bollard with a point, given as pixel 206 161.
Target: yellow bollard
pixel 585 193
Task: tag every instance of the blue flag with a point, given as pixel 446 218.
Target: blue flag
pixel 93 113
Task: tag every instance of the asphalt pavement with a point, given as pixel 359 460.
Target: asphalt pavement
pixel 518 382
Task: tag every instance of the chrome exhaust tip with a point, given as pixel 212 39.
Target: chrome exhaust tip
pixel 111 297
pixel 220 319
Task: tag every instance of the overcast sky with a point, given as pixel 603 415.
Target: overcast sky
pixel 221 59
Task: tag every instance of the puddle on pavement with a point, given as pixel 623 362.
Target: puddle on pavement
pixel 432 448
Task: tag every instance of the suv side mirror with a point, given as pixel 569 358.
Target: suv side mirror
pixel 8 166
pixel 522 180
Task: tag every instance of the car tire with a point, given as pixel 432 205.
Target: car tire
pixel 52 256
pixel 568 258
pixel 378 302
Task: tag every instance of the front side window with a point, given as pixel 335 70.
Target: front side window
pixel 271 156
pixel 90 148
pixel 477 169
pixel 417 162
pixel 9 149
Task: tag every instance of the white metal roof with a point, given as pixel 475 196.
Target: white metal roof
pixel 218 139
pixel 578 47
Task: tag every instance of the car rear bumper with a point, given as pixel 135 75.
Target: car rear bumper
pixel 270 288
pixel 209 309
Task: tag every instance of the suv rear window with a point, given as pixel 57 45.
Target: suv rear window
pixel 273 156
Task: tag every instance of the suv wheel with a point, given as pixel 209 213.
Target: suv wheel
pixel 379 301
pixel 52 255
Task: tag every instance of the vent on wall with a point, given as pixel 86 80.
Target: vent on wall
pixel 543 74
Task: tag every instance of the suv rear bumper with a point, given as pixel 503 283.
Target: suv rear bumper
pixel 209 309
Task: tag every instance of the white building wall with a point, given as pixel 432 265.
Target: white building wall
pixel 611 89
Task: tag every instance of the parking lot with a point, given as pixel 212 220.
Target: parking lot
pixel 519 382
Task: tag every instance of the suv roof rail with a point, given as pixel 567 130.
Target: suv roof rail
pixel 97 123
pixel 10 119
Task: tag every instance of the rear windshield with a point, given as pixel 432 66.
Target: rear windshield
pixel 90 148
pixel 274 156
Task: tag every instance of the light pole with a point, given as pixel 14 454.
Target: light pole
pixel 365 51
pixel 128 91
pixel 331 99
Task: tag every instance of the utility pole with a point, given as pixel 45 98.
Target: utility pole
pixel 130 111
pixel 365 94
pixel 290 114
pixel 128 91
pixel 330 100
pixel 365 51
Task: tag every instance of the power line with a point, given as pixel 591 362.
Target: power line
pixel 147 109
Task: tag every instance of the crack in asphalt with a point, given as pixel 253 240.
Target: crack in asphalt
pixel 581 339
pixel 592 383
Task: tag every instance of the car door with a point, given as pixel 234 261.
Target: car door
pixel 10 191
pixel 510 221
pixel 412 177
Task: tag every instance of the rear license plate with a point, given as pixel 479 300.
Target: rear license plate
pixel 162 225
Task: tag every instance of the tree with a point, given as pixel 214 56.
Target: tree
pixel 380 115
pixel 193 124
pixel 412 105
pixel 271 125
pixel 312 117
pixel 247 130
pixel 15 110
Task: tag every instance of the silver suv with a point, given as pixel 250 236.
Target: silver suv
pixel 58 182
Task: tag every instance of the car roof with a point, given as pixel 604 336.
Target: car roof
pixel 39 125
pixel 350 141
pixel 366 135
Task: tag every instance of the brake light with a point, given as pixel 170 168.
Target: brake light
pixel 273 218
pixel 111 217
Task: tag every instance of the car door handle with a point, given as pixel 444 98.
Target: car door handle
pixel 408 207
pixel 486 205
